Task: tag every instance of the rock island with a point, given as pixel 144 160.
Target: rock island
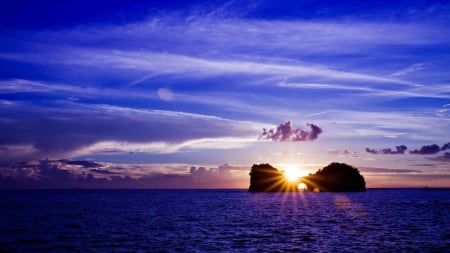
pixel 335 177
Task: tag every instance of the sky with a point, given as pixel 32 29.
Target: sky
pixel 190 94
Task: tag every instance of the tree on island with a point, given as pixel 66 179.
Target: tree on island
pixel 336 177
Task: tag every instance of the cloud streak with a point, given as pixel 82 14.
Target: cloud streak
pixel 189 66
pixel 67 131
pixel 413 68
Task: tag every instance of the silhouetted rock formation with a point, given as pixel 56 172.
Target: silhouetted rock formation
pixel 336 177
pixel 265 178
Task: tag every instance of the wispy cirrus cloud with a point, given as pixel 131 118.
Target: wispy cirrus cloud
pixel 237 102
pixel 204 36
pixel 162 147
pixel 413 68
pixel 363 124
pixel 444 112
pixel 314 44
pixel 190 66
pixel 63 89
pixel 382 90
pixel 239 34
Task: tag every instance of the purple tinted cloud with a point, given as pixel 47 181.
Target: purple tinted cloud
pixel 86 174
pixel 372 151
pixel 424 150
pixel 442 158
pixel 388 151
pixel 427 150
pixel 285 132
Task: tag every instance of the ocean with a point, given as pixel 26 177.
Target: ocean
pixel 391 220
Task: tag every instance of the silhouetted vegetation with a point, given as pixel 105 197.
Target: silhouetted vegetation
pixel 336 177
pixel 265 178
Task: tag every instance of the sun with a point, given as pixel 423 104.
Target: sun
pixel 292 173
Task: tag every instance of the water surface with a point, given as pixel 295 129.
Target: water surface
pixel 410 220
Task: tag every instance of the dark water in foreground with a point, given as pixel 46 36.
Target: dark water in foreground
pixel 224 221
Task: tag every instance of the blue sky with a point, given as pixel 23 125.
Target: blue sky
pixel 155 87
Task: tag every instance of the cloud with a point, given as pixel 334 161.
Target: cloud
pixel 162 147
pixel 379 124
pixel 386 170
pixel 107 172
pixel 232 34
pixel 352 154
pixel 445 146
pixel 444 111
pixel 75 174
pixel 285 132
pixel 442 158
pixel 15 86
pixel 237 102
pixel 376 89
pixel 225 49
pixel 84 164
pixel 388 151
pixel 372 151
pixel 413 68
pixel 188 66
pixel 70 127
pixel 198 58
pixel 394 135
pixel 319 113
pixel 222 173
pixel 250 61
pixel 426 150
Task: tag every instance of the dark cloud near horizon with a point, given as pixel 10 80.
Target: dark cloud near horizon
pixel 427 150
pixel 424 150
pixel 442 158
pixel 285 132
pixel 62 174
pixel 388 151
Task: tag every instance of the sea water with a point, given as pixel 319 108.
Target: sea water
pixel 412 220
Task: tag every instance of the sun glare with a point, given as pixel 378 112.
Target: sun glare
pixel 292 173
pixel 302 186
